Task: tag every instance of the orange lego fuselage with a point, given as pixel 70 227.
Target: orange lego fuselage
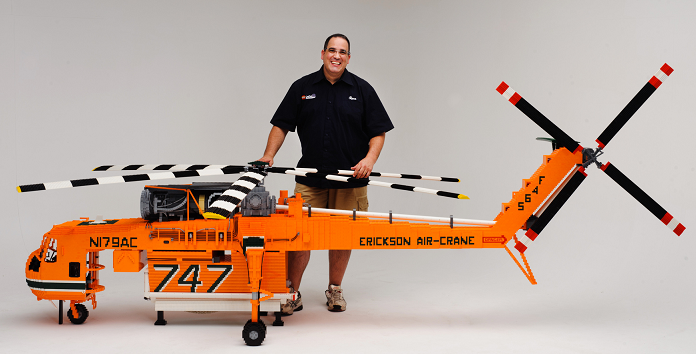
pixel 248 254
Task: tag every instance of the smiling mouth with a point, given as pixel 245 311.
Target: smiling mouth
pixel 335 63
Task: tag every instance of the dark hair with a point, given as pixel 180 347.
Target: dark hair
pixel 326 43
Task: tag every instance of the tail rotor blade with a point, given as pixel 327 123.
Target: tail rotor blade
pixel 643 198
pixel 633 105
pixel 223 207
pixel 563 195
pixel 561 137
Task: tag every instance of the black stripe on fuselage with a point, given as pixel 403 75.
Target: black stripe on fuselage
pixel 56 286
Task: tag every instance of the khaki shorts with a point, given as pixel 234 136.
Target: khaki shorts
pixel 343 199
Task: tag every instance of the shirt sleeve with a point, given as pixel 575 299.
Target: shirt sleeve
pixel 285 116
pixel 376 118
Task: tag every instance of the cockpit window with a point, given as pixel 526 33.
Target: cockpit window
pixel 51 251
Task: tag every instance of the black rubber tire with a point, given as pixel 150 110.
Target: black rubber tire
pixel 82 314
pixel 254 333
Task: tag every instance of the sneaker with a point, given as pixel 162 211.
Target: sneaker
pixel 334 299
pixel 291 306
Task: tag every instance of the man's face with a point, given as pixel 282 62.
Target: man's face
pixel 335 62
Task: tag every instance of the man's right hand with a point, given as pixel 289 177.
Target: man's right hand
pixel 269 160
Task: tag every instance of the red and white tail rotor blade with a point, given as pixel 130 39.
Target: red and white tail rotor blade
pixel 563 139
pixel 643 198
pixel 554 206
pixel 633 105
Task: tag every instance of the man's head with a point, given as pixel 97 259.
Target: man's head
pixel 336 55
pixel 337 35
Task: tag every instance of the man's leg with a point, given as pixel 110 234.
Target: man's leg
pixel 298 260
pixel 297 263
pixel 345 199
pixel 338 263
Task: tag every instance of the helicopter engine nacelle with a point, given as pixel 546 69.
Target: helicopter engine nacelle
pixel 170 202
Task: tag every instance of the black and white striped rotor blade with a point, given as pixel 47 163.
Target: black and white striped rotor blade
pixel 633 105
pixel 643 198
pixel 183 167
pixel 367 182
pixel 178 167
pixel 126 179
pixel 563 139
pixel 379 174
pixel 223 207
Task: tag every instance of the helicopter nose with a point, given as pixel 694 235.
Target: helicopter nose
pixel 34 264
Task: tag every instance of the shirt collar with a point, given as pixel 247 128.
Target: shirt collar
pixel 319 75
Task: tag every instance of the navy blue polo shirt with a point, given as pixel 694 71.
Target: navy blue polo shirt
pixel 334 122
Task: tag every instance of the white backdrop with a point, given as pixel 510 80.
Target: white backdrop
pixel 85 83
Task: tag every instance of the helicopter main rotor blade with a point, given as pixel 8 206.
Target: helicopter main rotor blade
pixel 223 207
pixel 270 169
pixel 561 198
pixel 161 167
pixel 643 198
pixel 633 105
pixel 366 182
pixel 126 179
pixel 525 107
pixel 378 174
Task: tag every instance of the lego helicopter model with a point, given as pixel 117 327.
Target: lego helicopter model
pixel 222 247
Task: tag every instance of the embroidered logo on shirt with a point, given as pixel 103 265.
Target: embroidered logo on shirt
pixel 352 98
pixel 309 97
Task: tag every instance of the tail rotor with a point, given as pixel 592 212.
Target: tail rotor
pixel 590 156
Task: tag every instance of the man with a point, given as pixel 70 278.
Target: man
pixel 341 124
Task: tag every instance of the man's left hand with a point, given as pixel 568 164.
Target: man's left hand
pixel 363 168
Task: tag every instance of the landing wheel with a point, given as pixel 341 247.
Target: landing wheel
pixel 254 333
pixel 82 314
